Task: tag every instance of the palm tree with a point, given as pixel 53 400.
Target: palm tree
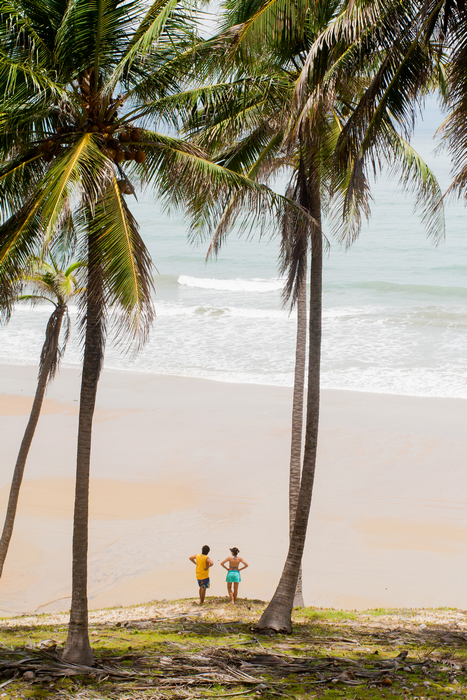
pixel 47 283
pixel 85 83
pixel 252 108
pixel 319 92
pixel 310 100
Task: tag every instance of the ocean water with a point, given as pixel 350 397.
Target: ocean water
pixel 395 305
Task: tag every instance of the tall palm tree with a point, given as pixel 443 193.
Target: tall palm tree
pixel 46 282
pixel 320 91
pixel 273 42
pixel 85 83
pixel 242 124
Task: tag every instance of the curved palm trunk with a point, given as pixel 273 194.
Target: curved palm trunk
pixel 77 648
pixel 278 614
pixel 48 361
pixel 297 424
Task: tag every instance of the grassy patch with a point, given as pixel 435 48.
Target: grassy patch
pixel 178 650
pixel 329 614
pixel 379 612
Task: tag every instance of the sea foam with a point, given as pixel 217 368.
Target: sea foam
pixel 232 285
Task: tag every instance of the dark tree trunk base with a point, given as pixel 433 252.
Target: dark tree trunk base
pixel 77 649
pixel 275 619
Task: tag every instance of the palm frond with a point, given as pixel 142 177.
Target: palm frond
pixel 79 166
pixel 150 31
pixel 281 21
pixel 17 176
pixel 126 265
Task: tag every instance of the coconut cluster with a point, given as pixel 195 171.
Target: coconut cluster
pixel 119 145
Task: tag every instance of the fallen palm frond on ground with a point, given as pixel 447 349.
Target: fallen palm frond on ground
pixel 176 650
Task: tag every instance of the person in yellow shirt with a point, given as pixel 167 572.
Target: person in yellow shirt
pixel 203 564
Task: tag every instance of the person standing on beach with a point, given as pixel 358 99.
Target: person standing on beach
pixel 233 573
pixel 203 564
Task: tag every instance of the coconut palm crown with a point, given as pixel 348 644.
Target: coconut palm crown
pixel 84 84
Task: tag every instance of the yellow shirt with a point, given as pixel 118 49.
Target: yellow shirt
pixel 202 569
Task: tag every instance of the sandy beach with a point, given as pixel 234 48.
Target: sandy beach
pixel 180 462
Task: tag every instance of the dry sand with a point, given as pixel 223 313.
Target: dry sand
pixel 179 462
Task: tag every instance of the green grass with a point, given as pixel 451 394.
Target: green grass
pixel 346 640
pixel 329 614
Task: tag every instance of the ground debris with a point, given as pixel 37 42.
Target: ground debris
pixel 37 662
pixel 215 655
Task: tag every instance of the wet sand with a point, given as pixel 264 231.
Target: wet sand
pixel 179 462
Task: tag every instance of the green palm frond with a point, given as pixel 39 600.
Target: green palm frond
pixel 257 160
pixel 93 36
pixel 454 130
pixel 20 238
pixel 150 31
pixel 77 168
pixel 35 298
pixel 44 280
pixel 416 176
pixel 281 21
pixel 48 280
pixel 127 266
pixel 17 175
pixel 26 31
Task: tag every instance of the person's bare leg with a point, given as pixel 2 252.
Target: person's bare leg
pixel 202 595
pixel 231 595
pixel 235 592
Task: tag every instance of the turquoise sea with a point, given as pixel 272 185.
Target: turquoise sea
pixel 395 305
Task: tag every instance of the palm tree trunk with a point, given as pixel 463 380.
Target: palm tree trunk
pixel 48 360
pixel 77 648
pixel 278 614
pixel 297 424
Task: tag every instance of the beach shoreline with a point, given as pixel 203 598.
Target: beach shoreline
pixel 178 462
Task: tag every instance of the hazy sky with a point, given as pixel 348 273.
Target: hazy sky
pixel 432 116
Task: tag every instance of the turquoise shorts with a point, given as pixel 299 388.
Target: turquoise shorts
pixel 233 577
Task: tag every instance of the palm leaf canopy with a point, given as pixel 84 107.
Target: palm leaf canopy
pixel 89 89
pixel 292 82
pixel 394 51
pixel 48 280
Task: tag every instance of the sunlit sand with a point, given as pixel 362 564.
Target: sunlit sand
pixel 178 463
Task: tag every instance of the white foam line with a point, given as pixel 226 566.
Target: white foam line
pixel 234 285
